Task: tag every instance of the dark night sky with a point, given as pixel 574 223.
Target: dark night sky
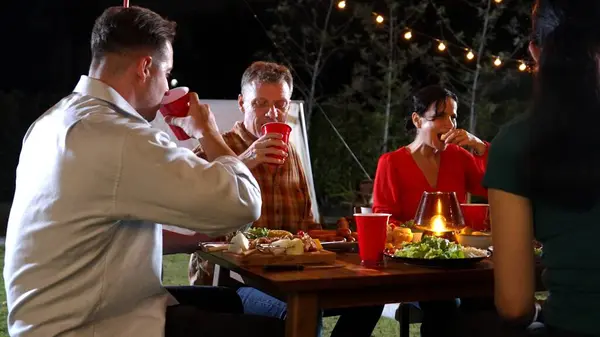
pixel 46 42
pixel 45 49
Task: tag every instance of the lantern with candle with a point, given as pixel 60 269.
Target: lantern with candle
pixel 439 214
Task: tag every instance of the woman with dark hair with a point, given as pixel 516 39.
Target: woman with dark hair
pixel 544 179
pixel 435 161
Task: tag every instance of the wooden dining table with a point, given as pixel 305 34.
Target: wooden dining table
pixel 351 285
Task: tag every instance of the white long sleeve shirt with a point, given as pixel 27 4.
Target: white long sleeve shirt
pixel 83 250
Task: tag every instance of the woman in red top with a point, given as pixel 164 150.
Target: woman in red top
pixel 435 161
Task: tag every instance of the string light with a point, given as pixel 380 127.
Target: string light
pixel 522 66
pixel 443 46
pixel 470 55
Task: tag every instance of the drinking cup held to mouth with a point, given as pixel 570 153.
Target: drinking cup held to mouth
pixel 176 103
pixel 281 128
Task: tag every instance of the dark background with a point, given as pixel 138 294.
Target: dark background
pixel 46 43
pixel 45 49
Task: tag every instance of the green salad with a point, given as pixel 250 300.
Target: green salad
pixel 256 232
pixel 431 248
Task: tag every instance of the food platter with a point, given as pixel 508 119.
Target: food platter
pixel 265 259
pixel 439 263
pixel 265 247
pixel 437 252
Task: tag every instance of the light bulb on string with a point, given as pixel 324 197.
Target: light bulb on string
pixel 498 1
pixel 408 35
pixel 497 62
pixel 379 19
pixel 341 4
pixel 522 66
pixel 470 55
pixel 441 46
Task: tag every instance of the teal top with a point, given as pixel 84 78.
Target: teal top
pixel 571 240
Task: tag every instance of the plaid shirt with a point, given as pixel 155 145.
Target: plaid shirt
pixel 286 200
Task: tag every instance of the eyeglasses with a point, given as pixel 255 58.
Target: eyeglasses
pixel 263 104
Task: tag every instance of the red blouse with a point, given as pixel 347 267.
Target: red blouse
pixel 399 182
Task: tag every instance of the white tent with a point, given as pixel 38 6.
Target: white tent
pixel 227 113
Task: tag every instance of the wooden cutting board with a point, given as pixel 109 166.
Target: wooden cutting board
pixel 263 259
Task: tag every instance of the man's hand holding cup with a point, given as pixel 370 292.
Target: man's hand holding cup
pixel 187 117
pixel 268 149
pixel 197 120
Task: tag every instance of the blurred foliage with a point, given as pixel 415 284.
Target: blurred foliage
pixel 376 71
pixel 356 76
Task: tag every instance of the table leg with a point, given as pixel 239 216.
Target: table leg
pixel 221 277
pixel 404 320
pixel 302 311
pixel 217 275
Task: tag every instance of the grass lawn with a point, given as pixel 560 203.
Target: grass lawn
pixel 175 273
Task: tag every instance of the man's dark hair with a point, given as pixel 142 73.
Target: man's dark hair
pixel 122 30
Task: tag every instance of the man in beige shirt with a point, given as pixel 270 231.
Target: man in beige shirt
pixel 94 180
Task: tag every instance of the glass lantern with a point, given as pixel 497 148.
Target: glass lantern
pixel 439 214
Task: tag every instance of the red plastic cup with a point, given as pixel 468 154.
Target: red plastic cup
pixel 280 128
pixel 476 216
pixel 372 232
pixel 176 103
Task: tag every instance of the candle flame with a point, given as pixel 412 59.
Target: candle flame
pixel 438 225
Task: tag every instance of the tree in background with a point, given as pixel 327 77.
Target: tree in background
pixel 379 62
pixel 381 80
pixel 476 71
pixel 307 36
pixel 369 110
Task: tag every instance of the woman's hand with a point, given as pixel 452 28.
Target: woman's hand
pixel 463 138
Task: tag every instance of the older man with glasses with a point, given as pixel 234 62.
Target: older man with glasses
pixel 265 98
